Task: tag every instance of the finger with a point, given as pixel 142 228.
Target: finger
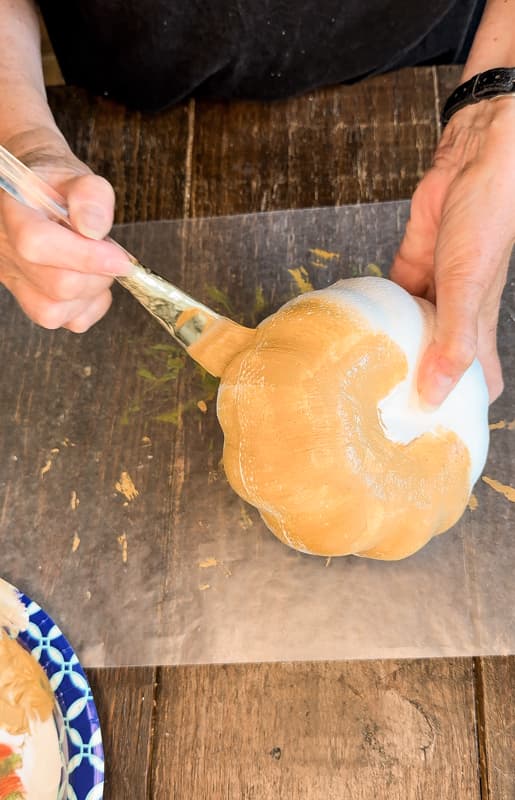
pixel 470 269
pixel 492 369
pixel 90 201
pixel 413 265
pixel 44 312
pixel 62 284
pixel 41 241
pixel 93 313
pixel 455 337
pixel 487 344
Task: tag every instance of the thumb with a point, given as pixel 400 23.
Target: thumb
pixel 90 200
pixel 454 345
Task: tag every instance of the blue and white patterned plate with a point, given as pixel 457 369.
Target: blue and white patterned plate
pixel 80 724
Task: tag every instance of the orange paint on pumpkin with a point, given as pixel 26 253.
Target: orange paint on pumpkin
pixel 305 445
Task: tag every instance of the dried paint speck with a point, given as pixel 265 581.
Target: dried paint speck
pixel 245 519
pixel 122 541
pixel 473 502
pixel 207 563
pixel 125 486
pixel 301 278
pixel 48 466
pixel 325 255
pixel 507 491
pixel 501 425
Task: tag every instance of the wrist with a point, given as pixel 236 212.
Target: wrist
pixel 27 140
pixel 24 109
pixel 494 42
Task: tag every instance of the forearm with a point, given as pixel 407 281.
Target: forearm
pixel 23 104
pixel 494 43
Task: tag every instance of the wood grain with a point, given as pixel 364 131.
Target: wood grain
pixel 126 700
pixel 316 731
pixel 496 712
pixel 142 155
pixel 340 145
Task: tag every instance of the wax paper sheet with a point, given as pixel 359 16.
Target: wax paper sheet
pixel 116 516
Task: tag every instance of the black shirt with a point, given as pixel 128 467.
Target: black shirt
pixel 152 53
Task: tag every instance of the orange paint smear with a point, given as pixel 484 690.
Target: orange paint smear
pixel 507 491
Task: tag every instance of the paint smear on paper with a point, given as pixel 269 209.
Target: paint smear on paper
pixel 325 255
pixel 126 486
pixel 207 563
pixel 507 491
pixel 301 278
pixel 218 296
pixel 122 541
pixel 213 562
pixel 48 466
pixel 473 502
pixel 245 519
pixel 173 417
pixel 260 304
pixel 499 426
pixel 374 269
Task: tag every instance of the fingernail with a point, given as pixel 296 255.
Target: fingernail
pixel 118 267
pixel 92 221
pixel 437 387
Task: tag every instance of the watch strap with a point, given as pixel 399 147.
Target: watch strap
pixel 483 86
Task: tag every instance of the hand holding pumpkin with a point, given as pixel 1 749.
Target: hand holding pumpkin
pixel 457 245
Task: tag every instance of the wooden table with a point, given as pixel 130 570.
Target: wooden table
pixel 428 729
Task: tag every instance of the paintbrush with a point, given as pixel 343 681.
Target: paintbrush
pixel 210 339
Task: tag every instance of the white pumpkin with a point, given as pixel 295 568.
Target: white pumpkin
pixel 325 433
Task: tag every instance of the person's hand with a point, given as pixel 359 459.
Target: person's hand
pixel 60 278
pixel 457 245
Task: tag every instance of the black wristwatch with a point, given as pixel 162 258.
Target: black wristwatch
pixel 483 86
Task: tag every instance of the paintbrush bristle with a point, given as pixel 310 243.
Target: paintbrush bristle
pixel 13 614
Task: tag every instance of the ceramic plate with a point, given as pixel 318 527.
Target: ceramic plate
pixel 80 728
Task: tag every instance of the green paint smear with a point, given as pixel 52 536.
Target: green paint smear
pixel 133 408
pixel 173 417
pixel 155 380
pixel 374 269
pixel 164 348
pixel 163 366
pixel 220 297
pixel 259 305
pixel 208 383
